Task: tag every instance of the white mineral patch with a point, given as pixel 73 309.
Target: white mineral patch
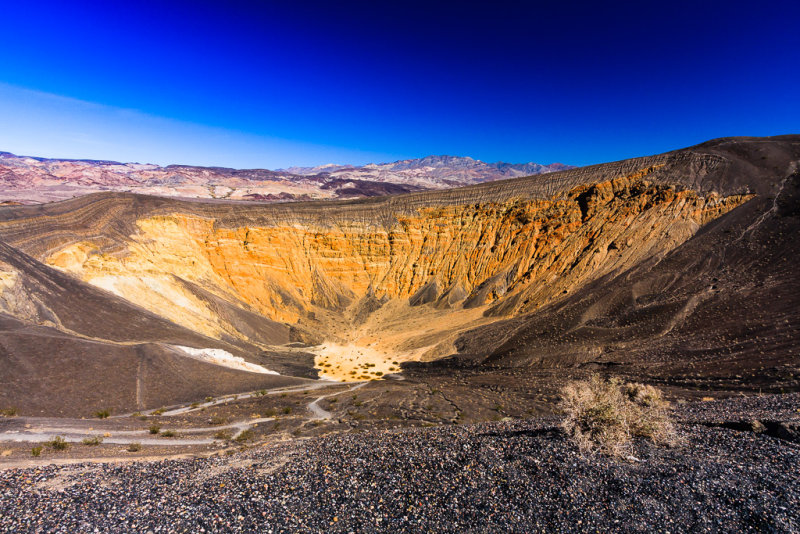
pixel 7 279
pixel 223 358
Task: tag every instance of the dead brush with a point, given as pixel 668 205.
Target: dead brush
pixel 605 415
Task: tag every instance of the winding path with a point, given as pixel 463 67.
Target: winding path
pixel 75 434
pixel 321 413
pixel 125 437
pixel 228 398
pixel 49 429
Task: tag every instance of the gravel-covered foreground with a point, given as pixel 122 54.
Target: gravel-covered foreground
pixel 515 476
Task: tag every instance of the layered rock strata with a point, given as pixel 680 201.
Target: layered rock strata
pixel 470 255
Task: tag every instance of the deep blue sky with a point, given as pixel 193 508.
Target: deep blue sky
pixel 278 83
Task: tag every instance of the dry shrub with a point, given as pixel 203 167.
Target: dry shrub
pixel 605 415
pixel 244 435
pixel 92 441
pixel 223 435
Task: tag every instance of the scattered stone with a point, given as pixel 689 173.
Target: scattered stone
pixel 520 476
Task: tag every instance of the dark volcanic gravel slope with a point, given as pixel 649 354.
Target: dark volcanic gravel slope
pixel 497 477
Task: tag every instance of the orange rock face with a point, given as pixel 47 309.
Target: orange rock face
pixel 512 257
pixel 463 246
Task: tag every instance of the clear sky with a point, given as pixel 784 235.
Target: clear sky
pixel 273 84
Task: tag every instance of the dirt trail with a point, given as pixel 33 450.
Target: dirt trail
pixel 183 409
pixel 320 413
pixel 125 437
pixel 75 431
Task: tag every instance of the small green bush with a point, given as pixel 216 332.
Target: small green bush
pixel 169 434
pixel 92 441
pixel 287 410
pixel 58 443
pixel 102 414
pixel 217 420
pixel 155 429
pixel 8 412
pixel 37 451
pixel 243 436
pixel 223 435
pixel 159 411
pixel 134 447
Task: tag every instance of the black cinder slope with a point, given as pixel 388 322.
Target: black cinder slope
pixel 720 311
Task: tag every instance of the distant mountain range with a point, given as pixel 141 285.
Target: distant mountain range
pixel 432 172
pixel 31 180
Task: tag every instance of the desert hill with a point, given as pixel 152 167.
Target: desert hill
pixel 677 267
